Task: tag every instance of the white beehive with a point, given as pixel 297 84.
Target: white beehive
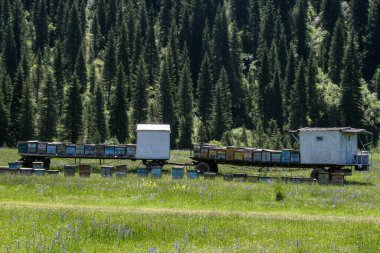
pixel 335 146
pixel 153 142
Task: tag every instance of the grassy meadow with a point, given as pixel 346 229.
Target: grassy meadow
pixel 58 214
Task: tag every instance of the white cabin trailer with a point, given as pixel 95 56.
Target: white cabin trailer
pixel 153 142
pixel 330 146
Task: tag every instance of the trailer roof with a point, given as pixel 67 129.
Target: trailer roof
pixel 332 129
pixel 153 127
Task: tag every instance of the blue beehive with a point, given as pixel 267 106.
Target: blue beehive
pixel 79 150
pixel 32 147
pixel 69 170
pixel 26 171
pixel 89 150
pixel 120 151
pixel 109 150
pixel 41 148
pixel 192 174
pixel 70 150
pixel 295 157
pixel 61 149
pixel 51 149
pixel 156 172
pixel 38 165
pixel 39 172
pixel 106 171
pixel 22 147
pixel 178 172
pixel 99 150
pixel 142 172
pixel 14 165
pixel 131 151
pixel 285 155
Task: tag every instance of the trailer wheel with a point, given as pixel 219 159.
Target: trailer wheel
pixel 203 167
pixel 152 164
pixel 315 172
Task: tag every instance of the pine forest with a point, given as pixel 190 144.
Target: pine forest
pixel 238 72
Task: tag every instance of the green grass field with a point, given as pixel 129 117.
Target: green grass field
pixel 58 214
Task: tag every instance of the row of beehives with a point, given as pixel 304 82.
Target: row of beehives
pixel 286 156
pixel 65 149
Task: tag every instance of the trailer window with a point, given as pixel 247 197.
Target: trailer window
pixel 319 138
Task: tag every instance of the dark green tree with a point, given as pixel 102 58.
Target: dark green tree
pixel 151 52
pixel 27 113
pixel 185 29
pixel 100 118
pixel 360 19
pixel 185 105
pixel 4 120
pixel 165 18
pixel 73 39
pixel 9 50
pixel 41 27
pixel 240 12
pixel 118 122
pixel 195 45
pixel 81 69
pixel 331 10
pixel 18 28
pixel 372 58
pixel 110 67
pixel 289 78
pixel 58 66
pixel 264 78
pixel 314 101
pixel 253 29
pixel 15 109
pixel 301 33
pixel 140 96
pixel 72 114
pixel 123 54
pixel 47 115
pixel 275 99
pixel 298 99
pixel 336 52
pixel 352 100
pixel 221 114
pixel 204 91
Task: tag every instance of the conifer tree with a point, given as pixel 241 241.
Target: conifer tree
pixel 289 78
pixel 253 30
pixel 123 54
pixel 166 102
pixel 73 39
pixel 81 69
pixel 240 12
pixel 360 19
pixel 118 123
pixel 185 30
pixel 298 100
pixel 197 23
pixel 38 75
pixel 18 27
pixel 5 86
pixel 185 105
pixel 72 115
pixel 331 10
pixel 9 49
pixel 4 121
pixel 165 21
pixel 58 65
pixel 111 14
pixel 275 103
pixel 264 78
pixel 26 113
pixel 372 59
pixel 204 89
pixel 220 43
pixel 140 96
pixel 100 118
pixel 221 114
pixel 47 115
pixel 314 102
pixel 110 67
pixel 15 109
pixel 41 26
pixel 336 52
pixel 352 100
pixel 301 29
pixel 151 52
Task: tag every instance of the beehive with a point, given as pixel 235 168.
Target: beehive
pixel 89 150
pixel 22 147
pixel 51 148
pixel 285 155
pixel 257 155
pixel 178 172
pixel 230 153
pixel 221 153
pixel 131 150
pixel 205 150
pixel 239 155
pixel 120 151
pixel 99 150
pixel 106 171
pixel 156 172
pixel 61 149
pixel 295 157
pixel 69 170
pixel 275 156
pixel 197 150
pixel 80 150
pixel 109 150
pixel 266 155
pixel 248 154
pixel 42 148
pixel 38 165
pixel 70 149
pixel 192 174
pixel 32 147
pixel 84 170
pixel 212 153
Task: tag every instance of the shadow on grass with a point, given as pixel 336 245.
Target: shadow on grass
pixel 359 183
